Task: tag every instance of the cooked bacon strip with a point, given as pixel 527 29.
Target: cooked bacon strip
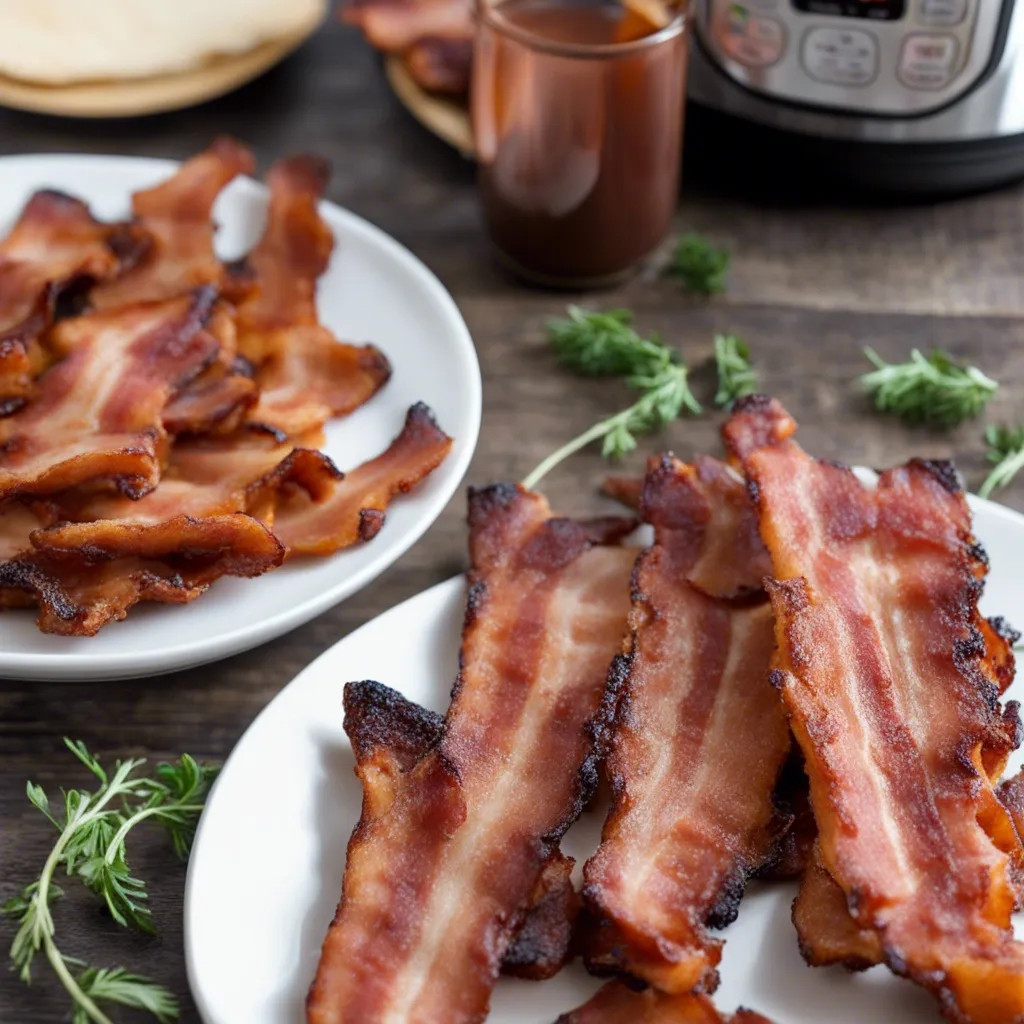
pixel 441 861
pixel 793 852
pixel 616 1004
pixel 98 411
pixel 56 243
pixel 219 398
pixel 879 666
pixel 626 490
pixel 80 586
pixel 698 741
pixel 322 515
pixel 544 944
pixel 208 476
pixel 442 63
pixel 305 375
pixel 217 402
pixel 827 933
pixel 389 736
pixel 311 506
pixel 177 214
pixel 396 26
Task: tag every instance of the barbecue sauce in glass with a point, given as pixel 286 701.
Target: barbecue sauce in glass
pixel 578 117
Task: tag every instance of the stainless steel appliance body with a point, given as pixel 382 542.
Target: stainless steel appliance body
pixel 941 80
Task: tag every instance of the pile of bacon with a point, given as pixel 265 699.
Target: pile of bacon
pixel 160 411
pixel 806 689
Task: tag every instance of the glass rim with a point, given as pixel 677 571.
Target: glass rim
pixel 489 13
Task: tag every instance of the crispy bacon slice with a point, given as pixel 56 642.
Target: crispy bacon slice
pixel 218 400
pixel 435 37
pixel 616 1004
pixel 84 578
pixel 311 506
pixel 880 669
pixel 55 244
pixel 98 411
pixel 626 490
pixel 442 63
pixel 323 514
pixel 544 943
pixel 305 375
pixel 442 860
pixel 699 738
pixel 828 934
pixel 177 214
pixel 215 403
pixel 389 736
pixel 793 852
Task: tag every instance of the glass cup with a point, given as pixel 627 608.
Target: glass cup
pixel 578 117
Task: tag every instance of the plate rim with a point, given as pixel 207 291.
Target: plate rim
pixel 85 665
pixel 439 593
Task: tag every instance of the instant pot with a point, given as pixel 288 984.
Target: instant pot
pixel 907 96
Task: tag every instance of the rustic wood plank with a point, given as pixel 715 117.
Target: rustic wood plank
pixel 810 287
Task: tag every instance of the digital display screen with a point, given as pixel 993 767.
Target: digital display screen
pixel 880 10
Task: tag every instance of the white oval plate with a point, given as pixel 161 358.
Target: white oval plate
pixel 374 290
pixel 266 870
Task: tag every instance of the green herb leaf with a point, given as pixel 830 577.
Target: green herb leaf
pixel 736 377
pixel 928 389
pixel 595 344
pixel 91 847
pixel 666 395
pixel 1006 450
pixel 606 345
pixel 118 986
pixel 700 265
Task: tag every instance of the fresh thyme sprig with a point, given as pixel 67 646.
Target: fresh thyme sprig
pixel 700 266
pixel 1006 450
pixel 596 344
pixel 605 345
pixel 91 846
pixel 928 389
pixel 736 377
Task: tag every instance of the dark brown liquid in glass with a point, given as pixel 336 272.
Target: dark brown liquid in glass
pixel 579 154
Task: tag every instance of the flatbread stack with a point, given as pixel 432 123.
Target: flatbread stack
pixel 135 56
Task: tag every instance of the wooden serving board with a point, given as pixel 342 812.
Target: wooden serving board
pixel 156 94
pixel 446 118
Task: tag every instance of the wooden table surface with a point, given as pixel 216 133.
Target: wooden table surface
pixel 811 283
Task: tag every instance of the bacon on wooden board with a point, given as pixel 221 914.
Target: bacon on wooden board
pixel 304 374
pixel 446 853
pixel 55 244
pixel 177 214
pixel 698 740
pixel 98 411
pixel 616 1004
pixel 880 668
pixel 434 37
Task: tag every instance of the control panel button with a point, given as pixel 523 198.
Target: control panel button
pixel 928 61
pixel 840 56
pixel 750 39
pixel 943 13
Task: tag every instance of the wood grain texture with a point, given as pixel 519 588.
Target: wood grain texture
pixel 810 286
